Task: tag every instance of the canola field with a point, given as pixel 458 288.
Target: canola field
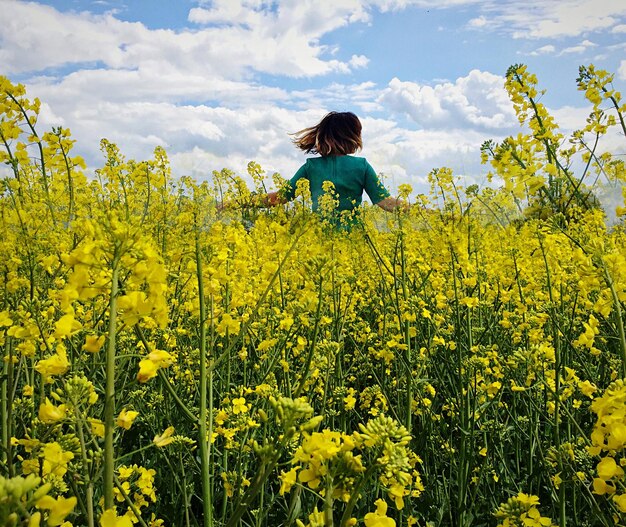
pixel 166 363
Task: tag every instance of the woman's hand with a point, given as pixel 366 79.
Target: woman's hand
pixel 390 204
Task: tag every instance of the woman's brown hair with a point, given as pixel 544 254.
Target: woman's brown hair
pixel 338 133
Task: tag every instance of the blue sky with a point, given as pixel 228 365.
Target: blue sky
pixel 219 83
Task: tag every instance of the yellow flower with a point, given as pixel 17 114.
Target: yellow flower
pixel 135 305
pixel 494 388
pixel 396 493
pixel 404 190
pixel 160 357
pixel 470 302
pixel 350 400
pixel 126 418
pixel 5 319
pixel 93 343
pixel 126 472
pixel 145 482
pixel 227 324
pixel 165 438
pixel 147 370
pixel 66 326
pixel 322 445
pixel 239 406
pixel 601 487
pixel 316 519
pixel 379 517
pixel 587 388
pixel 288 480
pixel 35 520
pixel 123 488
pixel 154 522
pixel 55 459
pixel 58 508
pixel 533 518
pixel 620 501
pixel 48 413
pixel 56 364
pixel 607 469
pixel 311 476
pixel 97 427
pixel 527 500
pixel 110 518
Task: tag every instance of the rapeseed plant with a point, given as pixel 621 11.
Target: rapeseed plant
pixel 163 364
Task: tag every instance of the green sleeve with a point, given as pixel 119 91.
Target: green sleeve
pixel 373 186
pixel 289 191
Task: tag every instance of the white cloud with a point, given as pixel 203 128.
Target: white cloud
pixel 622 70
pixel 407 156
pixel 580 48
pixel 396 5
pixel 477 100
pixel 620 28
pixel 478 22
pixel 359 61
pixel 361 98
pixel 281 39
pixel 543 50
pixel 570 118
pixel 145 84
pixel 35 37
pixel 246 38
pixel 555 19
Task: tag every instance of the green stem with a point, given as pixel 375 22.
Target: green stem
pixel 328 503
pixel 133 452
pixel 109 396
pixel 70 180
pixel 83 452
pixel 44 176
pixel 407 339
pixel 5 408
pixel 205 444
pixel 616 106
pixel 129 502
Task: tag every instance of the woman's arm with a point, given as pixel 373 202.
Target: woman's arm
pixel 390 204
pixel 271 199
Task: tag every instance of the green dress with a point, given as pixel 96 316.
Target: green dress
pixel 350 176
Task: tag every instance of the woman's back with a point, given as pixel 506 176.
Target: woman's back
pixel 349 175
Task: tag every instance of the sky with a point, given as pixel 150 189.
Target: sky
pixel 219 83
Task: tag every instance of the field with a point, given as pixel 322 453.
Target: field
pixel 167 363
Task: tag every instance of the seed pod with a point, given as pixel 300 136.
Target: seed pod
pixel 16 489
pixel 42 491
